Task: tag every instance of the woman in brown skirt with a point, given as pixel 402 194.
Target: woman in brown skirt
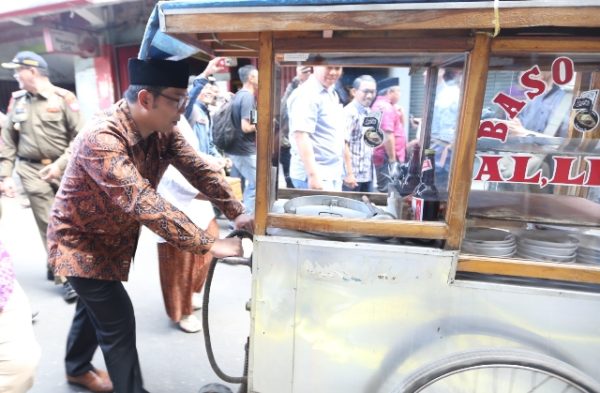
pixel 182 274
pixel 182 277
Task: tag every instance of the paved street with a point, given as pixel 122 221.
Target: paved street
pixel 171 360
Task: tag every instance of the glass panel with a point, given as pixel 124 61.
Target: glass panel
pixel 537 170
pixel 349 122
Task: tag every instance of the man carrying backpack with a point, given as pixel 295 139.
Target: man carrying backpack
pixel 242 150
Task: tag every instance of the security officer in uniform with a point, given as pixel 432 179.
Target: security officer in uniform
pixel 42 121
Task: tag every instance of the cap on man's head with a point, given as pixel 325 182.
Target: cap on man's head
pixel 26 59
pixel 387 83
pixel 155 72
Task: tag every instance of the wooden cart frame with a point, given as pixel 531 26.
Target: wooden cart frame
pixel 400 28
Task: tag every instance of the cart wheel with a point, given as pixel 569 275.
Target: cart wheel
pixel 499 371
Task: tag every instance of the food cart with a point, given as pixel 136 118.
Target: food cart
pixel 505 296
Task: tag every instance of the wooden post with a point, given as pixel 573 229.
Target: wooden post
pixel 461 172
pixel 264 134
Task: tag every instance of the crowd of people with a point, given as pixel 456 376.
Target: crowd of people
pixel 326 133
pixel 150 160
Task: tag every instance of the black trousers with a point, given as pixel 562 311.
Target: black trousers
pixel 104 316
pixel 285 157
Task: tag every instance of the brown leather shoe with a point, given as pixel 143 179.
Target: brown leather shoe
pixel 96 381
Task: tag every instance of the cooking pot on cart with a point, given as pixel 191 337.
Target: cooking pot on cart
pixel 335 206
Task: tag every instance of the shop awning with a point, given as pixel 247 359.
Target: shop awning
pixel 15 10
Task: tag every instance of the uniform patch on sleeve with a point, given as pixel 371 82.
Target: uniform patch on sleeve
pixel 71 101
pixel 74 106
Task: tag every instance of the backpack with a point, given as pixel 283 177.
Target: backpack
pixel 223 129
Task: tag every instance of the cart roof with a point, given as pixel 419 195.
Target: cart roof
pixel 263 3
pixel 231 27
pixel 355 5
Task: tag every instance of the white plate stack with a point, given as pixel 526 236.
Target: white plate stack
pixel 491 242
pixel 548 246
pixel 588 251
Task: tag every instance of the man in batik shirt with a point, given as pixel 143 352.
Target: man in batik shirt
pixel 107 193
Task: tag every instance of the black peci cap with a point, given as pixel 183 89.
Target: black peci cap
pixel 154 72
pixel 26 59
pixel 387 83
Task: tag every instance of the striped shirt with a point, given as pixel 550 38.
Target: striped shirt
pixel 361 154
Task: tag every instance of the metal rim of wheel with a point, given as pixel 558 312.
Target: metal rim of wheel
pixel 502 362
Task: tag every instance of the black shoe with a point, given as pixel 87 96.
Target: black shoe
pixel 49 275
pixel 69 293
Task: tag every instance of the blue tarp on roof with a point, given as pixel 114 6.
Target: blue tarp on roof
pixel 158 45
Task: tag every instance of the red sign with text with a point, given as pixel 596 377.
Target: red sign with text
pixel 563 71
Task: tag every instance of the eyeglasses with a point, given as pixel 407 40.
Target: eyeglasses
pixel 181 101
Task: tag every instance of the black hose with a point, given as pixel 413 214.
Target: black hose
pixel 209 351
pixel 244 386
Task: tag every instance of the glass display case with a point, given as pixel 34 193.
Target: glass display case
pixel 427 98
pixel 535 165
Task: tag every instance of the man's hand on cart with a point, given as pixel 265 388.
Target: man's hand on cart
pixel 245 222
pixel 230 247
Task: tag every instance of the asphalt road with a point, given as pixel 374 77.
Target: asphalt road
pixel 171 360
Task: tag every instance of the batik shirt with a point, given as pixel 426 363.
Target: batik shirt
pixel 109 190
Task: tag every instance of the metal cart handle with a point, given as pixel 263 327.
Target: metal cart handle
pixel 236 261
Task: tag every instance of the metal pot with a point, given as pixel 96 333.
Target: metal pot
pixel 325 205
pixel 335 206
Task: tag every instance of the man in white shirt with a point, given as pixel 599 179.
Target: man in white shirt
pixel 316 123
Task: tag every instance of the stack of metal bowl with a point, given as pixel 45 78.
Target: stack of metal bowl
pixel 491 242
pixel 588 251
pixel 548 246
